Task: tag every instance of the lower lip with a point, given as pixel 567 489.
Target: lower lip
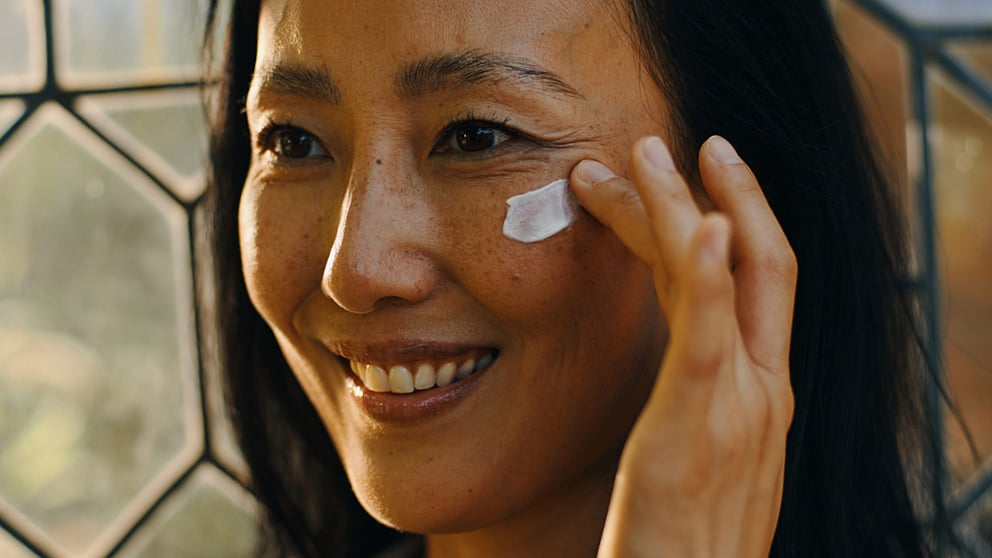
pixel 416 406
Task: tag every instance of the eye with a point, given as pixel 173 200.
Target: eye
pixel 290 142
pixel 472 137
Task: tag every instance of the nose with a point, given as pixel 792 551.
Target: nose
pixel 381 250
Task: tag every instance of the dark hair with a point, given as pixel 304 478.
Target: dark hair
pixel 771 77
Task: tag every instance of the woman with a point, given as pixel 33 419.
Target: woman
pixel 393 358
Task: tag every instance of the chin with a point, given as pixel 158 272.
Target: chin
pixel 432 509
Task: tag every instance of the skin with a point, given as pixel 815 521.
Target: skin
pixel 383 234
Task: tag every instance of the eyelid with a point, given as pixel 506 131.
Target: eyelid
pixel 490 121
pixel 266 138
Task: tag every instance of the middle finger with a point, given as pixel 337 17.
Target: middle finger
pixel 667 201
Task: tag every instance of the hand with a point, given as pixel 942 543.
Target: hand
pixel 701 473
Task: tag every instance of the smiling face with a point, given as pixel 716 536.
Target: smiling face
pixel 388 137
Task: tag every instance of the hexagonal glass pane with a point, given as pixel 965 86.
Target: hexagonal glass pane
pixel 95 332
pixel 102 41
pixel 222 440
pixel 22 43
pixel 210 517
pixel 166 131
pixel 963 164
pixel 10 548
pixel 9 112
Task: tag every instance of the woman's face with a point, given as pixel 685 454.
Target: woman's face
pixel 387 137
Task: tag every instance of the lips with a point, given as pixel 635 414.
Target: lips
pixel 408 380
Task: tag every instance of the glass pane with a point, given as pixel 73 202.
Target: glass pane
pixel 879 63
pixel 970 12
pixel 977 55
pixel 210 517
pixel 94 331
pixel 222 435
pixel 963 164
pixel 9 112
pixel 164 131
pixel 975 527
pixel 129 40
pixel 9 548
pixel 22 57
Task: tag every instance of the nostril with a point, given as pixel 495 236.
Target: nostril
pixel 360 281
pixel 346 288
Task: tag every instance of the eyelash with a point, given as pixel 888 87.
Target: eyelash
pixel 268 136
pixel 493 121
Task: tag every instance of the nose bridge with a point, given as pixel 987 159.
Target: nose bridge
pixel 376 254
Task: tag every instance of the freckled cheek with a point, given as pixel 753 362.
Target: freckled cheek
pixel 537 285
pixel 283 252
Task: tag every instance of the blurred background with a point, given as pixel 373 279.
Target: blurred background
pixel 112 436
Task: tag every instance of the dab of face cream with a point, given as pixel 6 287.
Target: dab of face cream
pixel 539 214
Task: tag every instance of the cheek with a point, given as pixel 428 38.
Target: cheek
pixel 569 282
pixel 281 237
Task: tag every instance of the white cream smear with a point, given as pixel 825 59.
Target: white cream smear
pixel 539 214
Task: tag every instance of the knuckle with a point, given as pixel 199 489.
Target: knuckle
pixel 624 194
pixel 731 440
pixel 694 477
pixel 703 359
pixel 743 181
pixel 780 265
pixel 787 403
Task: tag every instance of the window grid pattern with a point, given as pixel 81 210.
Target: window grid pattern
pixel 33 104
pixel 927 47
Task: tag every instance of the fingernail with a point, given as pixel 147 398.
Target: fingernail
pixel 657 155
pixel 723 152
pixel 593 172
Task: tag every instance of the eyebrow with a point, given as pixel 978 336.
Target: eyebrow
pixel 455 71
pixel 420 78
pixel 311 82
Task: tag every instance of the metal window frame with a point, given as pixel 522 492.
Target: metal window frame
pixel 52 92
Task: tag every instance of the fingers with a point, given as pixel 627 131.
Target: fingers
pixel 615 202
pixel 667 201
pixel 765 267
pixel 703 327
pixel 654 215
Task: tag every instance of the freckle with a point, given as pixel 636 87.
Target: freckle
pixel 378 161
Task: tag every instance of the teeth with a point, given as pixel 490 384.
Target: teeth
pixel 484 361
pixel 400 379
pixel 466 369
pixel 376 378
pixel 446 374
pixel 424 379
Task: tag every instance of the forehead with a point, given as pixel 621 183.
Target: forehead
pixel 359 34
